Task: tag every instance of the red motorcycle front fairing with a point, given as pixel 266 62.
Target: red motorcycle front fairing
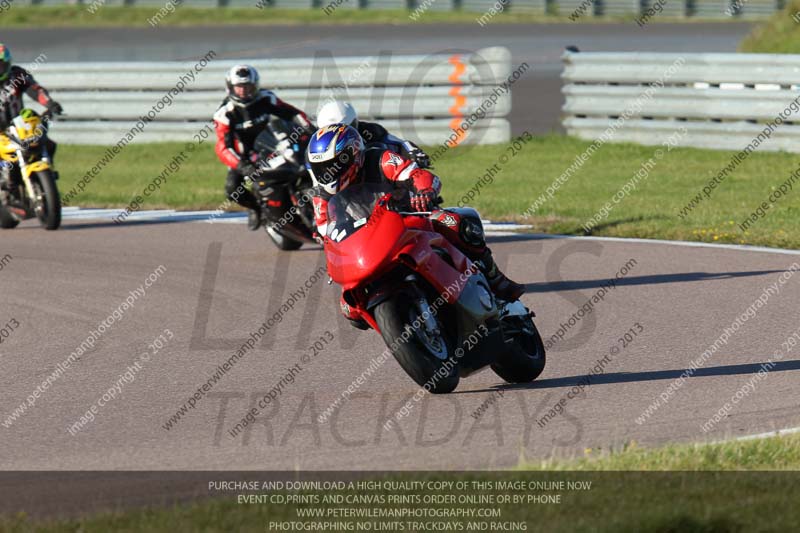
pixel 419 255
pixel 366 253
pixel 382 242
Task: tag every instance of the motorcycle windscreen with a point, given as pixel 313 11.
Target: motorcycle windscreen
pixel 360 241
pixel 267 141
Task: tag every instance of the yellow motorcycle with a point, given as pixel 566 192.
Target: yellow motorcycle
pixel 27 179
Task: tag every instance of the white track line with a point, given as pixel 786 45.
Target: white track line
pixel 757 436
pixel 494 229
pixel 740 247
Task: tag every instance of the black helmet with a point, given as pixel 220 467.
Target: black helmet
pixel 245 78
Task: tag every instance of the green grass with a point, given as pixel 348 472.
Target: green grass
pixel 649 212
pixel 779 35
pixel 132 16
pixel 719 488
pixel 199 182
pixel 777 453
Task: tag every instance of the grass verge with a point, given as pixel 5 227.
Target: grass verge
pixel 649 211
pixel 720 488
pixel 778 35
pixel 774 453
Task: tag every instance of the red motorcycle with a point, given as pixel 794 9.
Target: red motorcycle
pixel 430 303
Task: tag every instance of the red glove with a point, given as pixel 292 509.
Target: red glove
pixel 423 200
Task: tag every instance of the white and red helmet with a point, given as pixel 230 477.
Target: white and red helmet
pixel 242 83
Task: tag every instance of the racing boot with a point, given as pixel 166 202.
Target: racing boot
pixel 11 189
pixel 503 287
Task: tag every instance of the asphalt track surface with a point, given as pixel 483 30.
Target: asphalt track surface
pixel 221 282
pixel 537 98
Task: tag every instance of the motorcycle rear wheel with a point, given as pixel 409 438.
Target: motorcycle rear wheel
pixel 283 242
pixel 525 359
pixel 417 355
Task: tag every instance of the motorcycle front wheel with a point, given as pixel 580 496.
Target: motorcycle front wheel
pixel 420 345
pixel 47 202
pixel 283 242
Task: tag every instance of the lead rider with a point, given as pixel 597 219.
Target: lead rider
pixel 338 159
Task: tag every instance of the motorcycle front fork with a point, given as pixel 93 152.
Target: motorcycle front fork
pixel 26 181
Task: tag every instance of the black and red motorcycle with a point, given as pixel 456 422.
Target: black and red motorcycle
pixel 279 154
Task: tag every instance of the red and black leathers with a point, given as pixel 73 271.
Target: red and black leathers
pixel 381 165
pixel 238 125
pixel 460 226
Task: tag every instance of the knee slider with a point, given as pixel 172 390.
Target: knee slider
pixel 471 228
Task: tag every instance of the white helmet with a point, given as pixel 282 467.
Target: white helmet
pixel 336 112
pixel 245 77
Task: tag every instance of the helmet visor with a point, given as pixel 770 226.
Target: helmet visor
pixel 244 91
pixel 332 171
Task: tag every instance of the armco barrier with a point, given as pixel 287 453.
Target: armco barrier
pixel 723 100
pixel 423 96
pixel 673 8
pixel 427 132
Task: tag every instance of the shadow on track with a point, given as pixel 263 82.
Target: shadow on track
pixel 635 377
pixel 653 279
pixel 614 223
